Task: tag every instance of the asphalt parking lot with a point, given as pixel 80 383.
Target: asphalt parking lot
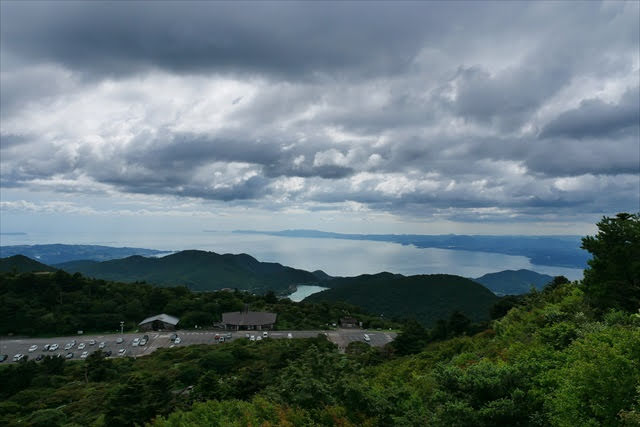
pixel 11 347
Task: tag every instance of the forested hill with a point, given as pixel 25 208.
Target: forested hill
pixel 513 282
pixel 428 298
pixel 22 264
pixel 198 270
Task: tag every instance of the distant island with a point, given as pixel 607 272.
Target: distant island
pixel 557 251
pixel 59 253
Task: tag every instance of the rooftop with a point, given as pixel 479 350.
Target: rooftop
pixel 163 318
pixel 242 318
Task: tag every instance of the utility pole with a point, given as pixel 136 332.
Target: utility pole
pixel 121 327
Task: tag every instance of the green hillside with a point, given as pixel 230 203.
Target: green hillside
pixel 198 270
pixel 22 264
pixel 513 282
pixel 428 298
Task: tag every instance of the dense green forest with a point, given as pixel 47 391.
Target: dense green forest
pixel 568 355
pixel 61 303
pixel 198 270
pixel 427 298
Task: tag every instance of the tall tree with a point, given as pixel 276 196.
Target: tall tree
pixel 613 277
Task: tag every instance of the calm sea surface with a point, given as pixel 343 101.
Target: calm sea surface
pixel 334 256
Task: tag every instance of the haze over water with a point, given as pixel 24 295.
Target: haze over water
pixel 336 257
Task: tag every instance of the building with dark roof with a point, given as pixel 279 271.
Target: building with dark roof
pixel 160 322
pixel 349 322
pixel 249 320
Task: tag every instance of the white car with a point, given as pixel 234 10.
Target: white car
pixel 46 347
pixel 18 357
pixel 289 335
pixel 84 355
pixel 135 342
pixel 92 342
pixel 258 338
pixel 366 338
pixel 68 346
pixel 81 346
pixel 33 348
pixel 101 345
pixel 265 334
pixel 178 340
pixel 143 342
pixel 122 352
pixel 253 338
pixel 53 347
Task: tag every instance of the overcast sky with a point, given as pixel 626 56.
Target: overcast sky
pixel 421 117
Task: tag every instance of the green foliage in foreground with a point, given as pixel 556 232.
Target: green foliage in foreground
pixel 60 303
pixel 551 361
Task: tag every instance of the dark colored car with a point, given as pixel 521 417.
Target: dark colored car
pixel 107 353
pixel 39 357
pixel 173 337
pixel 3 357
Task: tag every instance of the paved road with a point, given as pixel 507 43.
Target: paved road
pixel 11 347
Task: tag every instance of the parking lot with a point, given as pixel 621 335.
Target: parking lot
pixel 11 347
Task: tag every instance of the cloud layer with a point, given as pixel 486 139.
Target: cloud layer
pixel 463 111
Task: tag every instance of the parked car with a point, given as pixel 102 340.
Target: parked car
pixel 247 335
pixel 33 348
pixel 53 347
pixel 84 355
pixel 108 353
pixel 229 335
pixel 221 339
pixel 143 341
pixel 81 346
pixel 39 357
pixel 18 357
pixel 265 334
pixel 122 352
pixel 92 342
pixel 253 338
pixel 258 338
pixel 289 335
pixel 146 337
pixel 135 342
pixel 119 341
pixel 68 346
pixel 173 337
pixel 46 347
pixel 101 345
pixel 69 355
pixel 3 357
pixel 366 338
pixel 177 340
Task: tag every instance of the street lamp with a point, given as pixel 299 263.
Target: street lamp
pixel 121 327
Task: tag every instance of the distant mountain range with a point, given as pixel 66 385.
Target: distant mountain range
pixel 559 251
pixel 198 270
pixel 22 264
pixel 58 253
pixel 510 282
pixel 425 297
pixel 428 298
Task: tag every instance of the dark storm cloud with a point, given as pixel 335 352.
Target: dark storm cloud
pixel 282 38
pixel 510 108
pixel 596 118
